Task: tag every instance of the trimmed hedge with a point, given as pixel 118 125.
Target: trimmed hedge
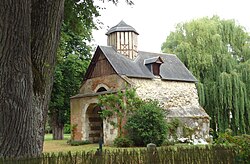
pixel 192 154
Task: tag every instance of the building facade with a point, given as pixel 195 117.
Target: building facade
pixel 158 76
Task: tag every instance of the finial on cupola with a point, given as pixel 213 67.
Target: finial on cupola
pixel 123 38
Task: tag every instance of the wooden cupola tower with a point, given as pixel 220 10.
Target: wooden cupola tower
pixel 124 39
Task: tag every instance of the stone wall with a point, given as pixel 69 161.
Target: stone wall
pixel 170 94
pixel 180 99
pixel 83 102
pixel 79 109
pixel 112 82
pixel 110 132
pixel 191 129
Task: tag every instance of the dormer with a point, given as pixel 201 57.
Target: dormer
pixel 123 38
pixel 153 64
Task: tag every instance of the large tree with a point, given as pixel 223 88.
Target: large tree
pixel 29 35
pixel 72 59
pixel 29 38
pixel 67 80
pixel 217 52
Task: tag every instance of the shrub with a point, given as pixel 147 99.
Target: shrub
pixel 172 127
pixel 147 124
pixel 115 107
pixel 122 142
pixel 77 143
pixel 242 142
pixel 168 142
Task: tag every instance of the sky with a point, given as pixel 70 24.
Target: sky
pixel 155 19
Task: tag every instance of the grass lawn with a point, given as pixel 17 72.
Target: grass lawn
pixel 48 137
pixel 56 146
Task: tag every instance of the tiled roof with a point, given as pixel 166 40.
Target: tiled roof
pixel 171 68
pixel 153 60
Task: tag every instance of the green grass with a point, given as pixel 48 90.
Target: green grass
pixel 56 146
pixel 49 137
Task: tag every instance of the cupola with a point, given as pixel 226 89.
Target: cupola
pixel 123 38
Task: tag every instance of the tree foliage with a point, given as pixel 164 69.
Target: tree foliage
pixel 147 124
pixel 242 143
pixel 118 106
pixel 217 52
pixel 68 77
pixel 73 56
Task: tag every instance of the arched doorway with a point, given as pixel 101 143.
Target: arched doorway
pixel 95 123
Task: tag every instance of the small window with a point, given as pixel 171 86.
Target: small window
pixel 102 89
pixel 156 69
pixel 153 64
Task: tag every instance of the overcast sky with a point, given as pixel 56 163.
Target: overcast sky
pixel 154 19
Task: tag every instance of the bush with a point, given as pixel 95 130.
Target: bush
pixel 172 127
pixel 77 143
pixel 147 124
pixel 122 142
pixel 168 143
pixel 242 142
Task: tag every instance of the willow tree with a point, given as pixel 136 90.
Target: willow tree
pixel 217 52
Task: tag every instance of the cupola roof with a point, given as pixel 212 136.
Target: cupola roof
pixel 122 26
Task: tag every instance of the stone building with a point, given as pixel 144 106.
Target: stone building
pixel 154 75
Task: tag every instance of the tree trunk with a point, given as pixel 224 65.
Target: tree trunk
pixel 29 35
pixel 17 128
pixel 57 132
pixel 56 125
pixel 46 19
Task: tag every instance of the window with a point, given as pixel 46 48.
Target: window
pixel 153 64
pixel 102 89
pixel 156 69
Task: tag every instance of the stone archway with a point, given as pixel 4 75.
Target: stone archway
pixel 95 123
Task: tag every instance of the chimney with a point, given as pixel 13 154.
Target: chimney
pixel 124 39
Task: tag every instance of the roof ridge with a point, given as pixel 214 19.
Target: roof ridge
pixel 120 54
pixel 156 53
